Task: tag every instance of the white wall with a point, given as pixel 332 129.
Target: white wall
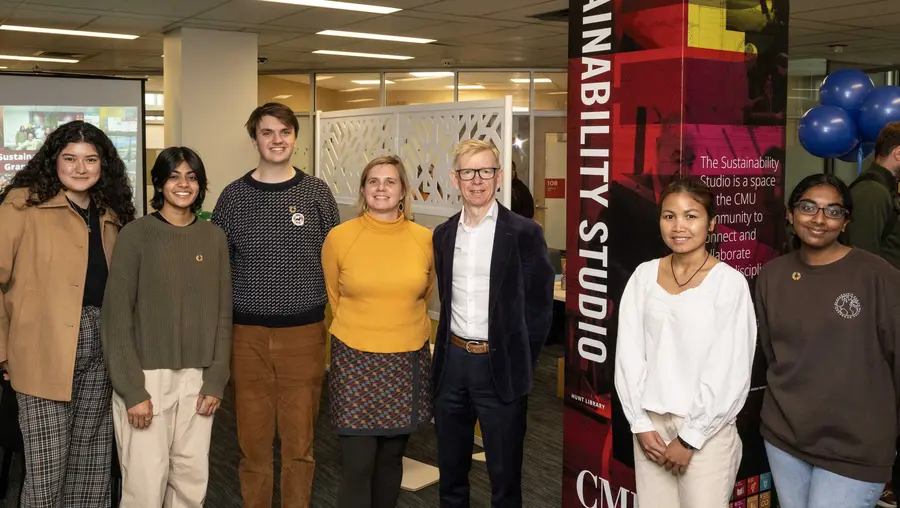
pixel 156 138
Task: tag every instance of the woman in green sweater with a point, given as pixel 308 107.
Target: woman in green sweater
pixel 166 333
pixel 379 273
pixel 830 329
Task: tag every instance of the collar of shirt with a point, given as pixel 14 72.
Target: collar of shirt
pixel 491 214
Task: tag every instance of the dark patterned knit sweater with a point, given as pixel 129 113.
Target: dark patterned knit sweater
pixel 275 234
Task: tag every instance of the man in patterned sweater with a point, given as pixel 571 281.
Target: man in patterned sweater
pixel 276 218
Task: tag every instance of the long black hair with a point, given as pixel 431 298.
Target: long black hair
pixel 111 192
pixel 169 160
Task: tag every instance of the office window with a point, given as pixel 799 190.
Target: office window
pixel 550 91
pixel 476 86
pixel 335 91
pixel 418 87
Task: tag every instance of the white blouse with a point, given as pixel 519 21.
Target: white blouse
pixel 688 354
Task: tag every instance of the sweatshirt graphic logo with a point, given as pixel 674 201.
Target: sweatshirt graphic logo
pixel 847 306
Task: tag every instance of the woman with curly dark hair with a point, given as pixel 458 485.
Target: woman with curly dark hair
pixel 60 216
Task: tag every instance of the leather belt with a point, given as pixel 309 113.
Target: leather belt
pixel 474 347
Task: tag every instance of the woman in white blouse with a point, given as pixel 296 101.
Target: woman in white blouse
pixel 686 339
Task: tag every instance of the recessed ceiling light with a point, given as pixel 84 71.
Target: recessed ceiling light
pixel 361 55
pixel 2 67
pixel 371 82
pixel 57 31
pixel 347 6
pixel 431 74
pixel 37 59
pixel 361 100
pixel 282 96
pixel 355 89
pixel 520 109
pixel 536 80
pixel 322 78
pixel 377 37
pixel 468 87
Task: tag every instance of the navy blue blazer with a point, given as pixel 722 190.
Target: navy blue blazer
pixel 520 304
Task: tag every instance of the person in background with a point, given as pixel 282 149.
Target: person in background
pixel 276 219
pixel 876 228
pixel 379 378
pixel 31 143
pixel 522 201
pixel 21 135
pixel 830 330
pixel 166 333
pixel 60 218
pixel 495 282
pixel 686 339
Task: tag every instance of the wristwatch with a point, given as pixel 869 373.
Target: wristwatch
pixel 686 444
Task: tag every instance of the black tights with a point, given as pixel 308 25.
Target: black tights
pixel 372 469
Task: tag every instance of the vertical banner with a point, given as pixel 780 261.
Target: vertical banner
pixel 659 89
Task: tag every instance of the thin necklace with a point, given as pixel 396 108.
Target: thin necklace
pixel 86 217
pixel 672 264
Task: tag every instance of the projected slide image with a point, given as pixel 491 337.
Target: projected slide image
pixel 23 130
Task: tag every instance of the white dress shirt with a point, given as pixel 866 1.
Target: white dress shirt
pixel 688 354
pixel 470 297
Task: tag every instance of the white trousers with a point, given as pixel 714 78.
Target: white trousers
pixel 709 479
pixel 166 464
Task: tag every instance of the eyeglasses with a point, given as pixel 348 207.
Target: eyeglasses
pixel 830 211
pixel 469 174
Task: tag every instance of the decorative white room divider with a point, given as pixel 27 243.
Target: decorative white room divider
pixel 422 136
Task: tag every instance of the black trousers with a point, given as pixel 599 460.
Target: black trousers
pixel 467 393
pixel 895 477
pixel 372 470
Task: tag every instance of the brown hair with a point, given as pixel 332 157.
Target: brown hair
pixel 405 198
pixel 470 147
pixel 697 190
pixel 888 139
pixel 281 112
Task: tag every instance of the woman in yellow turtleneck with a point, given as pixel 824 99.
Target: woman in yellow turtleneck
pixel 379 273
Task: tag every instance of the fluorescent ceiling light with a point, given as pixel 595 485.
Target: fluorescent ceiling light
pixel 431 74
pixel 520 109
pixel 557 93
pixel 37 59
pixel 536 80
pixel 282 96
pixel 347 6
pixel 371 82
pixel 2 67
pixel 361 100
pixel 468 87
pixel 361 55
pixel 57 31
pixel 322 78
pixel 356 89
pixel 377 37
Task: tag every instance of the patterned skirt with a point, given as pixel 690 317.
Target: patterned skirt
pixel 379 394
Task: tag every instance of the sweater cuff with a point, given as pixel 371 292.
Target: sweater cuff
pixel 133 398
pixel 693 437
pixel 213 387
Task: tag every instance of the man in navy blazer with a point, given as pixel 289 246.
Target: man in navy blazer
pixel 495 282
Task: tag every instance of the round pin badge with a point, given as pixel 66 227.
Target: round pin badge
pixel 297 219
pixel 795 275
pixel 292 209
pixel 199 258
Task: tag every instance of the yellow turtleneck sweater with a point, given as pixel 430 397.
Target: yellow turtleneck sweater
pixel 379 276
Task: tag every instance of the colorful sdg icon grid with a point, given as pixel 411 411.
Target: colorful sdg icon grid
pixel 753 492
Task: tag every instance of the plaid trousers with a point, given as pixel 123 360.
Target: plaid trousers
pixel 68 445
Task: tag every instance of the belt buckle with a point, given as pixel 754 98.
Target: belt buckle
pixel 468 343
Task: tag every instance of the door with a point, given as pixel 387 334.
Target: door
pixel 549 179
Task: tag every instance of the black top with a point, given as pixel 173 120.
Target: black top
pixel 160 217
pixel 275 234
pixel 97 270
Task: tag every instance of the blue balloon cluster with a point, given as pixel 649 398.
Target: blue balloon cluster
pixel 852 113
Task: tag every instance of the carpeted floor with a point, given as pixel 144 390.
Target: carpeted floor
pixel 542 472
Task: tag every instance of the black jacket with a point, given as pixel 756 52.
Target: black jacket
pixel 521 300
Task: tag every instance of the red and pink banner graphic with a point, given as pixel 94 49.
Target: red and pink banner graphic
pixel 659 89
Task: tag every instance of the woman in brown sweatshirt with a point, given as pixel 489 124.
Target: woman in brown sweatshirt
pixel 829 325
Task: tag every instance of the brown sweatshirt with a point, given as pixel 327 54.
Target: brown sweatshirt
pixel 830 334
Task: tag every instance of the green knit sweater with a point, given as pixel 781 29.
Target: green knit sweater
pixel 167 306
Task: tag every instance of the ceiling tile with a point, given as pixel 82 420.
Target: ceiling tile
pixel 48 18
pixel 847 12
pixel 250 12
pixel 392 24
pixel 477 7
pixel 322 19
pixel 100 5
pixel 180 8
pixel 134 25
